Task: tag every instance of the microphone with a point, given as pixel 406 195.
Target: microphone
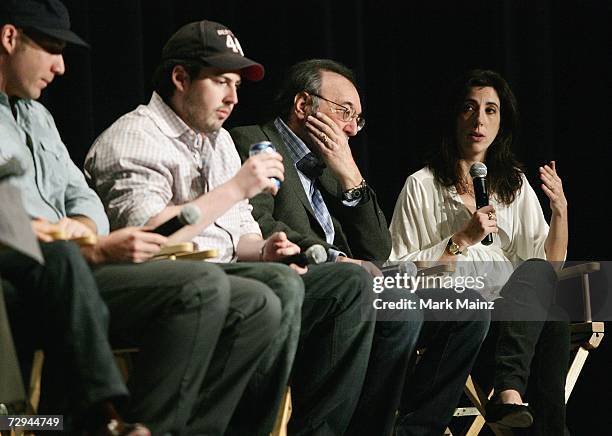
pixel 478 171
pixel 189 214
pixel 313 255
pixel 402 267
pixel 11 168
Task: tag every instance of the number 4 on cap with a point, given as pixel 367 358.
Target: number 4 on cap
pixel 232 42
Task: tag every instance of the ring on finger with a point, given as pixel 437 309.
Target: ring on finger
pixel 324 139
pixel 491 215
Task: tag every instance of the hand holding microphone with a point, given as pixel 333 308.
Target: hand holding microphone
pixel 189 214
pixel 478 171
pixel 313 255
pixel 278 248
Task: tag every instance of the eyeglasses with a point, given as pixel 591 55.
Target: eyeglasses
pixel 348 114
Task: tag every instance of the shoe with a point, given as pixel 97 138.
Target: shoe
pixel 103 420
pixel 509 415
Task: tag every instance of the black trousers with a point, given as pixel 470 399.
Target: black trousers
pixel 57 307
pixel 530 345
pixel 452 339
pixel 333 345
pixel 257 410
pixel 201 333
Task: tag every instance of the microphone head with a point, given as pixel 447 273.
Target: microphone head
pixel 478 170
pixel 316 254
pixel 190 214
pixel 407 268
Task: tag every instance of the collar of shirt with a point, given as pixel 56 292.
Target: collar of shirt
pixel 4 100
pixel 173 126
pixel 295 146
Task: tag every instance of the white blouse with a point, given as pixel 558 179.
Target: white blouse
pixel 426 215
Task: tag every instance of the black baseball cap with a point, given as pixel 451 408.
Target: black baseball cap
pixel 212 44
pixel 49 17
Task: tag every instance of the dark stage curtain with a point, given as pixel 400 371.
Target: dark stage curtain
pixel 554 54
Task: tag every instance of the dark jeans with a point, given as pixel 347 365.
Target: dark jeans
pixel 57 307
pixel 257 410
pixel 335 343
pixel 451 339
pixel 393 349
pixel 201 335
pixel 530 356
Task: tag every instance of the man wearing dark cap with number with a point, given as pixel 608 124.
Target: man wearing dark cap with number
pixel 174 151
pixel 200 332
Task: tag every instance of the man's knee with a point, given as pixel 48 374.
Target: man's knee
pixel 202 283
pixel 285 283
pixel 355 281
pixel 538 269
pixel 63 254
pixel 270 313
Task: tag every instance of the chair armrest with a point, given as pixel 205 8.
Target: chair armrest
pixel 578 270
pixel 184 251
pixel 83 241
pixel 199 255
pixel 582 271
pixel 173 250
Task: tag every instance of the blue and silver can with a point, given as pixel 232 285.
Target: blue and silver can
pixel 264 147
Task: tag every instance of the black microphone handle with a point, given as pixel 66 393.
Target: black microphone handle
pixel 299 259
pixel 482 199
pixel 169 227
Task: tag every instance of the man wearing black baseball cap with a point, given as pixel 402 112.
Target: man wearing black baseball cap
pixel 179 314
pixel 81 378
pixel 173 151
pixel 213 45
pixel 49 17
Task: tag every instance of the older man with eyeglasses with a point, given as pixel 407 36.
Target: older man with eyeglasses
pixel 318 111
pixel 325 200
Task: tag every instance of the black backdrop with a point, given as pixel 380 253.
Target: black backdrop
pixel 554 54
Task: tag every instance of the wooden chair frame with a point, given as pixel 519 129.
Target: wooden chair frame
pixel 588 334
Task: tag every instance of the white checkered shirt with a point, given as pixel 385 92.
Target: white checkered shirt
pixel 150 159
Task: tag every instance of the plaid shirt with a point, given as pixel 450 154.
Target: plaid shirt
pixel 150 159
pixel 297 150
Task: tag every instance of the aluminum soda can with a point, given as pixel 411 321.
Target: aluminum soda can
pixel 264 147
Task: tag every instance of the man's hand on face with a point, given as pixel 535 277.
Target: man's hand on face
pixel 255 174
pixel 332 144
pixel 127 245
pixel 277 247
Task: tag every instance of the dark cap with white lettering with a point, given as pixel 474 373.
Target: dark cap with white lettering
pixel 212 44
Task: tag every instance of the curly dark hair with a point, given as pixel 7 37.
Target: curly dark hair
pixel 504 175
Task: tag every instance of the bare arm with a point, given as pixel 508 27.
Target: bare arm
pixel 557 239
pixel 252 178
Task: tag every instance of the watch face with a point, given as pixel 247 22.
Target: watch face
pixel 453 248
